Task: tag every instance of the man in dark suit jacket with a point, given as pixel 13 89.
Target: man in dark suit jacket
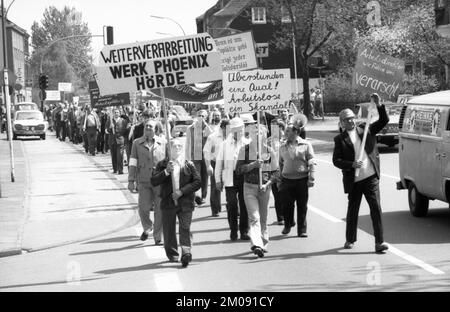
pixel 347 146
pixel 177 203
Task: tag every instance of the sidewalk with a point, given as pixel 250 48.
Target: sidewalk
pixel 12 206
pixel 69 197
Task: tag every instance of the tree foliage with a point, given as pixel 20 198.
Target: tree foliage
pixel 67 60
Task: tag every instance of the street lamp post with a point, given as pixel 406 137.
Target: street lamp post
pixel 168 18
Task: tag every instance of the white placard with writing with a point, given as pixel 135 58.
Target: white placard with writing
pixel 262 49
pixel 237 52
pixel 263 90
pixel 53 95
pixel 65 86
pixel 158 64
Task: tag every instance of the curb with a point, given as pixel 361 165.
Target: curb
pixel 132 221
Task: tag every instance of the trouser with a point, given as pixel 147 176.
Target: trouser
pixel 85 141
pixel 370 189
pixel 113 146
pixel 129 145
pixel 63 130
pixel 215 193
pixel 295 191
pixel 107 142
pixel 92 139
pixel 101 143
pixel 73 133
pixel 278 202
pixel 200 165
pixel 235 197
pixel 57 129
pixel 117 156
pixel 149 195
pixel 257 203
pixel 169 217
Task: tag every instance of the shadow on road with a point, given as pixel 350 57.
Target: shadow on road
pixel 401 227
pixel 120 239
pixel 68 283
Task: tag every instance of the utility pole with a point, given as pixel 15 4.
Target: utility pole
pixel 6 92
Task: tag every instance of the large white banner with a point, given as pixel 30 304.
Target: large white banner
pixel 158 64
pixel 263 90
pixel 65 86
pixel 237 52
pixel 53 95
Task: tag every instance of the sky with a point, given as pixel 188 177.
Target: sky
pixel 131 18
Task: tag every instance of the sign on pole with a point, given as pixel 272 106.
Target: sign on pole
pixel 53 95
pixel 262 49
pixel 65 86
pixel 158 64
pixel 237 52
pixel 377 72
pixel 256 90
pixel 98 101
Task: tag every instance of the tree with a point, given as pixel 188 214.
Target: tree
pixel 411 35
pixel 67 60
pixel 318 26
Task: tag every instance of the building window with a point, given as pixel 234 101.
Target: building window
pixel 259 15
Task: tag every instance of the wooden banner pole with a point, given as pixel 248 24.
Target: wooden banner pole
pixel 259 146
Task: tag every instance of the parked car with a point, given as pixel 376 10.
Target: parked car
pixel 424 151
pixel 29 123
pixel 24 106
pixel 182 120
pixel 389 134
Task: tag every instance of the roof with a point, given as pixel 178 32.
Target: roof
pixel 436 98
pixel 233 8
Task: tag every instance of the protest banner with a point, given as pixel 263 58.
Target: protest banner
pixel 237 52
pixel 65 86
pixel 377 72
pixel 98 101
pixel 192 94
pixel 256 90
pixel 53 95
pixel 158 64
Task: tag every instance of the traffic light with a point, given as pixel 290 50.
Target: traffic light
pixel 109 35
pixel 43 82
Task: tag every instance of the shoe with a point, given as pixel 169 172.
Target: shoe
pixel 259 252
pixel 115 171
pixel 157 242
pixel 215 215
pixel 173 260
pixel 381 248
pixel 120 172
pixel 302 235
pixel 245 237
pixel 233 237
pixel 348 245
pixel 185 259
pixel 286 230
pixel 144 236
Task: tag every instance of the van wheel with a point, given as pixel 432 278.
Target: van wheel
pixel 418 203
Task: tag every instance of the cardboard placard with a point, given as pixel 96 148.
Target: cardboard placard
pixel 65 86
pixel 53 95
pixel 377 72
pixel 263 90
pixel 158 64
pixel 98 101
pixel 237 52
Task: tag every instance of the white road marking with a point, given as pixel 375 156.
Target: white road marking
pixel 324 214
pixel 383 174
pixel 413 260
pixel 168 281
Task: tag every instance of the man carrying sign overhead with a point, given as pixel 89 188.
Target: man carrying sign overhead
pixel 361 174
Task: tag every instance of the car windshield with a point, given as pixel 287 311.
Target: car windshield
pixel 25 106
pixel 29 116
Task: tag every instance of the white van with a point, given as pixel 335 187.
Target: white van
pixel 424 150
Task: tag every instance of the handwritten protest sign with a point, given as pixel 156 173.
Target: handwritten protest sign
pixel 237 52
pixel 158 64
pixel 377 72
pixel 53 95
pixel 257 90
pixel 98 101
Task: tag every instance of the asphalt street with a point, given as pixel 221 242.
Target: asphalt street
pixel 418 259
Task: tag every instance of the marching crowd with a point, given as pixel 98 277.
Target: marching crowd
pixel 245 159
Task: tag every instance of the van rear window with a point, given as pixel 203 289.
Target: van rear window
pixel 423 120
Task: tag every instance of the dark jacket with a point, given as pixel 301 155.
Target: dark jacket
pixel 189 183
pixel 344 152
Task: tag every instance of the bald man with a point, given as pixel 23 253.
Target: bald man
pixel 347 147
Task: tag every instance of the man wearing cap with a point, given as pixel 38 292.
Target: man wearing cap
pixel 226 176
pixel 347 147
pixel 146 152
pixel 297 167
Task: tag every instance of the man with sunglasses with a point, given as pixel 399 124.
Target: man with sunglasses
pixel 347 146
pixel 146 152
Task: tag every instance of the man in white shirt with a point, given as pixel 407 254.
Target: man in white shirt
pixel 226 176
pixel 210 152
